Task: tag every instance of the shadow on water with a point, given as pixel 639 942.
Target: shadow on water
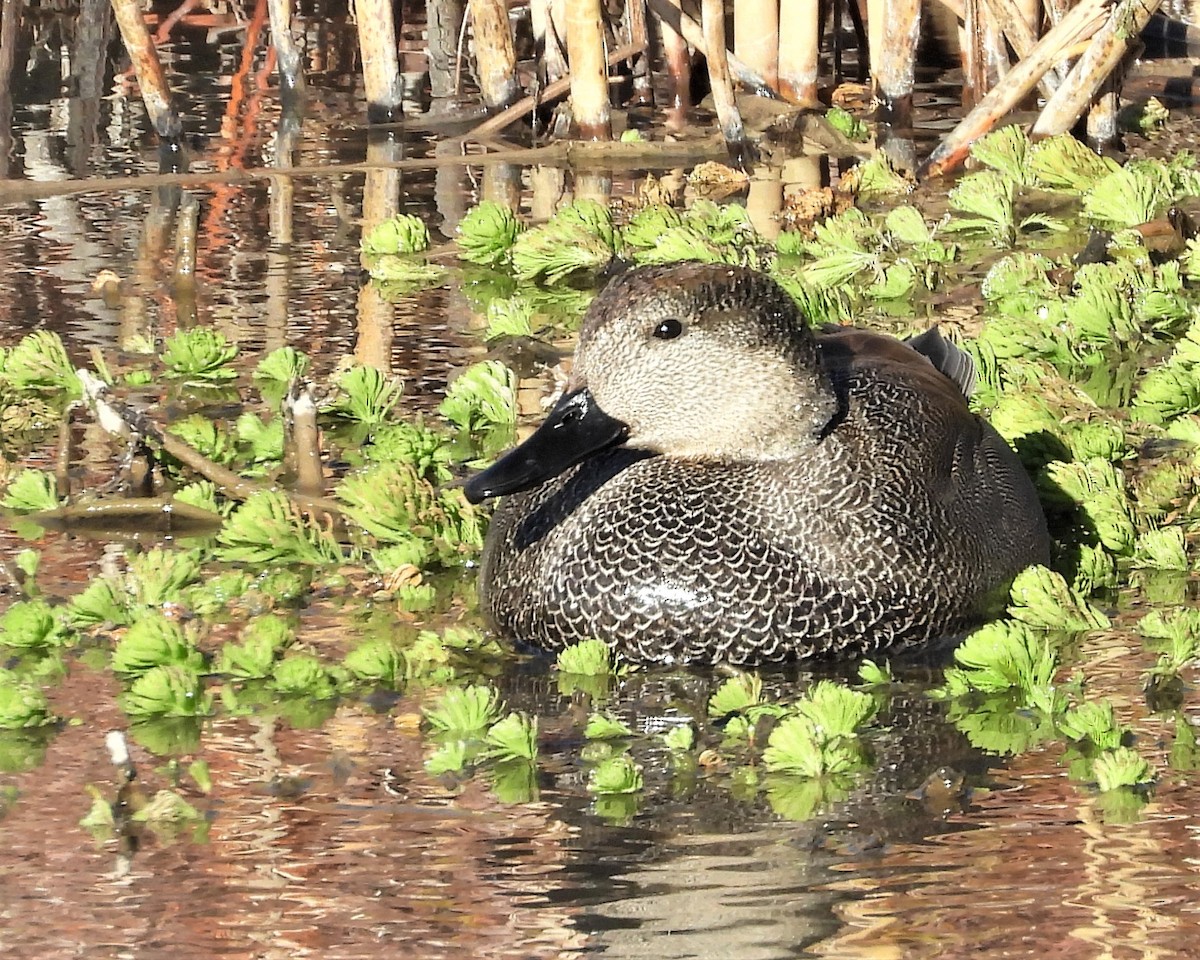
pixel 324 834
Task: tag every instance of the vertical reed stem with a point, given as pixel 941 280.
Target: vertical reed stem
pixel 679 69
pixel 894 70
pixel 713 22
pixel 443 21
pixel 589 69
pixel 639 65
pixel 151 79
pixel 756 36
pixel 287 54
pixel 495 56
pixel 381 64
pixel 799 51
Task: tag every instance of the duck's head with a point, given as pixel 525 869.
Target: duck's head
pixel 687 360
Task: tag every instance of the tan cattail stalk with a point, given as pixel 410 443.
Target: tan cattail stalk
pixel 381 64
pixel 495 56
pixel 151 79
pixel 589 73
pixel 799 52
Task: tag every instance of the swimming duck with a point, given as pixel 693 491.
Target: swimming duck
pixel 721 484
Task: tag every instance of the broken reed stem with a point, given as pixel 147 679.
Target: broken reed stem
pixel 303 446
pixel 551 59
pixel 380 62
pixel 495 56
pixel 1080 23
pixel 120 420
pixel 493 125
pixel 443 20
pixel 589 72
pixel 1103 55
pixel 287 54
pixel 679 69
pixel 151 80
pixel 713 16
pixel 1011 21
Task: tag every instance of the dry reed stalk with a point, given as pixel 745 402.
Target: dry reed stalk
pixel 713 16
pixel 589 70
pixel 668 12
pixel 679 69
pixel 639 64
pixel 893 72
pixel 495 124
pixel 876 17
pixel 1010 18
pixel 291 65
pixel 799 52
pixel 1102 117
pixel 495 56
pixel 151 79
pixel 443 19
pixel 550 52
pixel 756 37
pixel 1103 55
pixel 380 62
pixel 1080 23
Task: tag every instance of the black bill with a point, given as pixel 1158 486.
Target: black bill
pixel 575 428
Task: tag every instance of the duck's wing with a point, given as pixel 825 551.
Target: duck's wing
pixel 931 362
pixel 949 358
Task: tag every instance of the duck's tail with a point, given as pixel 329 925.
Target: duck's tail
pixel 949 358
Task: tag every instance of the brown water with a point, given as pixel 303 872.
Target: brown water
pixel 332 840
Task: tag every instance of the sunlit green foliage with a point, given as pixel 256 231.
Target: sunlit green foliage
pixel 602 726
pixel 1121 767
pixel 167 691
pixel 580 236
pixel 31 491
pixel 32 625
pixel 464 711
pixel 848 125
pixel 487 233
pixel 200 355
pixel 302 675
pixel 1002 657
pixel 267 528
pixel 1040 598
pixel 403 233
pixel 482 396
pixel 22 704
pixel 282 365
pixel 378 660
pixel 513 738
pixel 878 177
pixel 39 363
pixel 155 641
pixel 589 658
pixel 366 395
pixel 616 775
pixel 260 643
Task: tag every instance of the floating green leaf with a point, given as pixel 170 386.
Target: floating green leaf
pixel 487 233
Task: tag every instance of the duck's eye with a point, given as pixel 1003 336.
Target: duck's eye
pixel 668 329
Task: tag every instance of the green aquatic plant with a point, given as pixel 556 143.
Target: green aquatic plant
pixel 798 746
pixel 509 317
pixel 515 781
pixel 32 625
pixel 1138 192
pixel 878 177
pixel 201 494
pixel 648 226
pixel 449 757
pixel 377 661
pixel 580 236
pixel 365 395
pixel 31 491
pixel 1041 598
pixel 487 232
pixel 464 712
pixel 836 710
pixel 603 726
pixel 848 125
pixel 267 528
pixel 736 695
pixel 166 807
pixel 167 691
pixel 302 675
pixel 1161 549
pixel 199 356
pixel 1006 656
pixel 22 704
pixel 102 601
pixel 155 641
pixel 616 775
pixel 260 643
pixel 482 397
pixel 428 452
pixel 283 365
pixel 1007 151
pixel 39 363
pixel 1097 490
pixel 209 438
pixel 1094 721
pixel 1121 767
pixel 160 575
pixel 512 738
pixel 401 234
pixel 984 204
pixel 260 443
pixel 1064 162
pixel 680 738
pixel 873 674
pixel 587 658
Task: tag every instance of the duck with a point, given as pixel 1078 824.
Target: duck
pixel 721 483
